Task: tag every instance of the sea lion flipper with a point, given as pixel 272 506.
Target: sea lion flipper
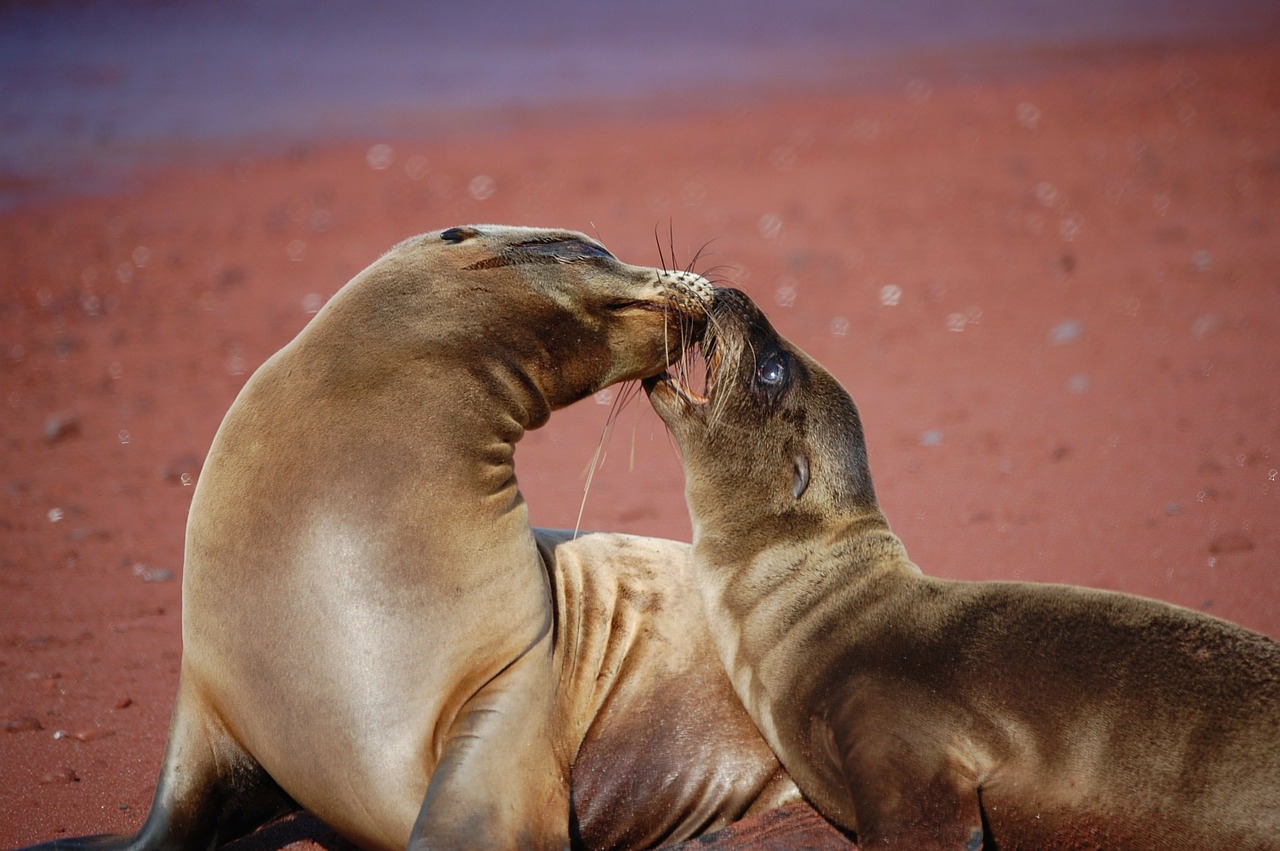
pixel 910 787
pixel 499 775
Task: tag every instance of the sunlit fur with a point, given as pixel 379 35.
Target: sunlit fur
pixel 924 713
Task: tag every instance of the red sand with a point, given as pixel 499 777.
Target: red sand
pixel 1056 303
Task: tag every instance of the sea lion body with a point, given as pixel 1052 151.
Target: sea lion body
pixel 663 750
pixel 371 629
pixel 923 713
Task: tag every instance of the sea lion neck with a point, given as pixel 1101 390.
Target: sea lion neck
pixel 764 557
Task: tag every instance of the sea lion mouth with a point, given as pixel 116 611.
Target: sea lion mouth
pixel 682 377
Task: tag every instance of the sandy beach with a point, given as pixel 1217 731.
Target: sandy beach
pixel 1055 297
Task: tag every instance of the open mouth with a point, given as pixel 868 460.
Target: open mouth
pixel 692 378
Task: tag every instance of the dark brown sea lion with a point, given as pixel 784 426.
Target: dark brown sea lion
pixel 924 713
pixel 371 630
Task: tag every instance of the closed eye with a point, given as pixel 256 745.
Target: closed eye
pixel 628 305
pixel 563 250
pixel 543 251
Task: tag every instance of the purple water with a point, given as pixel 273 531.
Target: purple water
pixel 85 87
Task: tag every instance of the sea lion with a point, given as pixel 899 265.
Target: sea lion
pixel 372 631
pixel 922 713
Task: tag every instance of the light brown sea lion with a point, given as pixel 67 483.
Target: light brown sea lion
pixel 924 713
pixel 372 631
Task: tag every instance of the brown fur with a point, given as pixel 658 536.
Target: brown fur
pixel 924 713
pixel 371 630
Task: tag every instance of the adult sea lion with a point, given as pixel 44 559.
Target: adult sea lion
pixel 924 713
pixel 371 630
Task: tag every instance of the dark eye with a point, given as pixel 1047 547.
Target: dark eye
pixel 772 371
pixel 623 305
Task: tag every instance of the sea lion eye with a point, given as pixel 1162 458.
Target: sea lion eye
pixel 585 250
pixel 561 250
pixel 772 371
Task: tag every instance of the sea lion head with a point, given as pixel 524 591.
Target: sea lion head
pixel 773 445
pixel 568 316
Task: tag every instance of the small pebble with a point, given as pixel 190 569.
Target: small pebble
pixel 151 573
pixel 58 776
pixel 182 470
pixel 1231 542
pixel 60 427
pixel 23 724
pixel 1065 332
pixel 89 734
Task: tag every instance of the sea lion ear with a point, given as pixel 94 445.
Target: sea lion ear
pixel 801 481
pixel 456 235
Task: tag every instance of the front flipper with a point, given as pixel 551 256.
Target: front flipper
pixel 919 814
pixel 913 780
pixel 501 781
pixel 210 791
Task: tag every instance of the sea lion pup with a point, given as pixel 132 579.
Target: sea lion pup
pixel 924 713
pixel 371 630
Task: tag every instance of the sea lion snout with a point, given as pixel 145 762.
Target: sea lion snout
pixel 693 294
pixel 742 354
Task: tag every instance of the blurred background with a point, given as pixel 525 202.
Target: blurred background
pixel 84 85
pixel 1037 241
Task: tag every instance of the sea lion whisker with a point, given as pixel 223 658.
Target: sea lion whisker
pixel 671 242
pixel 713 274
pixel 722 398
pixel 681 375
pixel 597 459
pixel 720 361
pixel 662 258
pixel 666 332
pixel 679 371
pixel 626 392
pixel 697 255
